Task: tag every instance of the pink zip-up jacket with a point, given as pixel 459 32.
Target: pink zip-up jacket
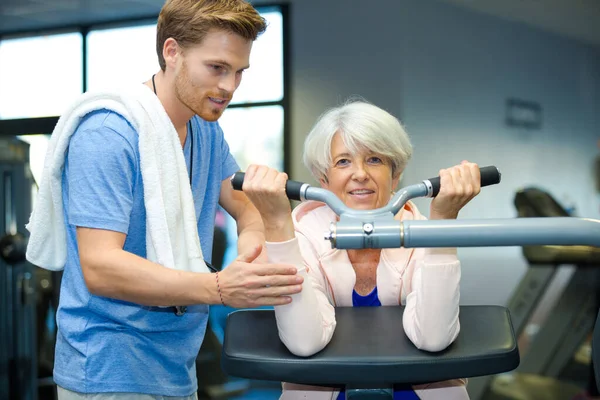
pixel 425 281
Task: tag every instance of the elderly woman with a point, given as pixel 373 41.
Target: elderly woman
pixel 358 151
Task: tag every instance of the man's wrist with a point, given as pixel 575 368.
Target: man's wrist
pixel 207 289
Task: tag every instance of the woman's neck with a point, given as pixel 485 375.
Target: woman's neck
pixel 363 256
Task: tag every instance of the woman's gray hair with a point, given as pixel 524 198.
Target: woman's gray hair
pixel 362 126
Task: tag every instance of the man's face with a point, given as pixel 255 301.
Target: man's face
pixel 210 72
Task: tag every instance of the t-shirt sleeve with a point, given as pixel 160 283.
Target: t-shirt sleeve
pixel 229 166
pixel 101 168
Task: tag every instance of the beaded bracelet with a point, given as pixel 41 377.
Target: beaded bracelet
pixel 219 288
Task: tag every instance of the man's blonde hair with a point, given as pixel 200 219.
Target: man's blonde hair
pixel 188 21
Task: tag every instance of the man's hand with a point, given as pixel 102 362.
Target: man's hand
pixel 244 284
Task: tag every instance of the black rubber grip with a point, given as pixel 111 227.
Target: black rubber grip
pixel 237 180
pixel 489 176
pixel 292 188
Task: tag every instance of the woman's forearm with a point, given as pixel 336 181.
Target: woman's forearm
pixel 306 324
pixel 431 314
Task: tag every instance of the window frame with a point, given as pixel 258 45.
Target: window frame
pixel 45 125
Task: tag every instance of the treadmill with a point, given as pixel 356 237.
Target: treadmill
pixel 548 367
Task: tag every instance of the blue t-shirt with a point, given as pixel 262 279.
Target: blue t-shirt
pixel 106 345
pixel 401 392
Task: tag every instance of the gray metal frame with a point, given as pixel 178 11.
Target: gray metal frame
pixel 360 229
pixel 357 229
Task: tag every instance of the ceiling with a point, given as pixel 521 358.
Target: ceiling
pixel 577 19
pixel 18 16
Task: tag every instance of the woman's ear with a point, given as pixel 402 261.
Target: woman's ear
pixel 395 182
pixel 324 182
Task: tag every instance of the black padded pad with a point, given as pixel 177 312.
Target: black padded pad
pixel 369 347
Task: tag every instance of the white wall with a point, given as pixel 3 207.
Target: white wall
pixel 447 72
pixel 459 68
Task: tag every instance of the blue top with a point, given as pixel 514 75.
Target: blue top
pixel 401 392
pixel 106 345
pixel 370 300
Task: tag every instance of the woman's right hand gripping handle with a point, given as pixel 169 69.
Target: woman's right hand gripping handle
pixel 300 324
pixel 246 283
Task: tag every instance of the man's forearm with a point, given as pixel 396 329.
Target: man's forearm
pixel 250 237
pixel 122 275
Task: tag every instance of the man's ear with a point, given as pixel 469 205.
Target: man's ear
pixel 171 52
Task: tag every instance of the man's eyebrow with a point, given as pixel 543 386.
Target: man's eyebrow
pixel 226 64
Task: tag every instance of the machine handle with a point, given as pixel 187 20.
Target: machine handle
pixel 490 175
pixel 293 189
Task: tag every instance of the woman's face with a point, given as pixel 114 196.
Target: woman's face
pixel 362 181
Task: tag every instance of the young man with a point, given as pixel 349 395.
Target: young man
pixel 118 334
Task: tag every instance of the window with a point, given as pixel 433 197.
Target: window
pixel 116 55
pixel 39 76
pixel 120 56
pixel 254 122
pixel 255 135
pixel 263 81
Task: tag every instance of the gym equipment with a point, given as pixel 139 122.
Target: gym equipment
pixel 547 357
pixel 18 352
pixel 596 351
pixel 486 344
pixel 573 316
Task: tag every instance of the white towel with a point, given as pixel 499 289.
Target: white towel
pixel 171 226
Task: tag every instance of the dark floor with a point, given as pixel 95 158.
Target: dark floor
pixel 243 390
pixel 259 394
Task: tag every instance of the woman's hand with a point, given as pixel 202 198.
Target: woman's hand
pixel 265 187
pixel 458 185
